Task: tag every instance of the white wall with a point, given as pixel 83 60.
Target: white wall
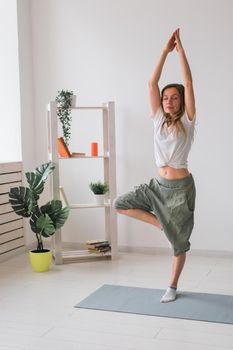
pixel 10 140
pixel 26 111
pixel 106 50
pixel 26 83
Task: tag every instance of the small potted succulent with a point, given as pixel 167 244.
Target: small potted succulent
pixel 99 189
pixel 45 220
pixel 65 101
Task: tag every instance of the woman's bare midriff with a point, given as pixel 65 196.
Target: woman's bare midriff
pixel 172 174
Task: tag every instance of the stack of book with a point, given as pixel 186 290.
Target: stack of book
pixel 98 246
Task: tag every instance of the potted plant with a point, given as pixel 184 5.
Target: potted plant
pixel 45 219
pixel 99 189
pixel 65 100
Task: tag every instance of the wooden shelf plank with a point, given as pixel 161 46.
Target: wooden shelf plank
pixel 69 255
pixel 88 205
pixel 101 108
pixel 84 157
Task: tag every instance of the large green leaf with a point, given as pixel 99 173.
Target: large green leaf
pixel 36 183
pixel 64 213
pixel 57 214
pixel 37 213
pixel 44 170
pixel 46 226
pixel 22 201
pixel 36 179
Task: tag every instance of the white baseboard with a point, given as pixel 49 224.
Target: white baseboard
pixel 145 250
pixel 168 251
pixel 157 250
pixel 125 249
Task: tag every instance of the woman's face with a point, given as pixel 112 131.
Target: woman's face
pixel 171 100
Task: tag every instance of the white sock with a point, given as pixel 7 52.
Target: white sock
pixel 170 295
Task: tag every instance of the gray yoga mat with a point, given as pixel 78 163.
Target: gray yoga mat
pixel 146 301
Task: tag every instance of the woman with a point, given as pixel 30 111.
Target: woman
pixel 168 202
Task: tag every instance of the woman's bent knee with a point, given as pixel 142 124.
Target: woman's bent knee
pixel 115 204
pixel 122 211
pixel 118 204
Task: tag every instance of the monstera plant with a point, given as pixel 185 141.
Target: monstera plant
pixel 45 220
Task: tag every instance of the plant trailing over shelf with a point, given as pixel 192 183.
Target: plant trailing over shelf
pixel 64 102
pixel 99 187
pixel 44 220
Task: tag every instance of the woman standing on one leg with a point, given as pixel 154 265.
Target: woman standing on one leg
pixel 168 202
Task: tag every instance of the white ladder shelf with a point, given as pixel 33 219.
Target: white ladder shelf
pixel 109 158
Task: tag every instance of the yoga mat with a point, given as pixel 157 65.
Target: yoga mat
pixel 146 301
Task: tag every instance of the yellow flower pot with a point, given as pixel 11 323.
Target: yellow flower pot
pixel 40 261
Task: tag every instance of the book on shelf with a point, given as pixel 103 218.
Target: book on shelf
pixel 100 251
pixel 63 149
pixel 78 154
pixel 96 241
pixel 98 246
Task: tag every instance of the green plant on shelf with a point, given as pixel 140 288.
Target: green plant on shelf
pixel 99 187
pixel 64 103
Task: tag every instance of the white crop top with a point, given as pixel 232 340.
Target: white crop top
pixel 172 150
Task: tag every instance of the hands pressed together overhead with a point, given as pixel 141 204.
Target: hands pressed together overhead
pixel 154 91
pixel 174 42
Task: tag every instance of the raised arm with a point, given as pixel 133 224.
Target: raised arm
pixel 154 92
pixel 187 77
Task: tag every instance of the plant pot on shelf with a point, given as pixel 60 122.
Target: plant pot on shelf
pixel 100 199
pixel 40 261
pixel 73 100
pixel 99 189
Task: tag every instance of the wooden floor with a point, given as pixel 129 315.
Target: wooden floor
pixel 37 309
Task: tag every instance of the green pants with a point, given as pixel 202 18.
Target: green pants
pixel 171 201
